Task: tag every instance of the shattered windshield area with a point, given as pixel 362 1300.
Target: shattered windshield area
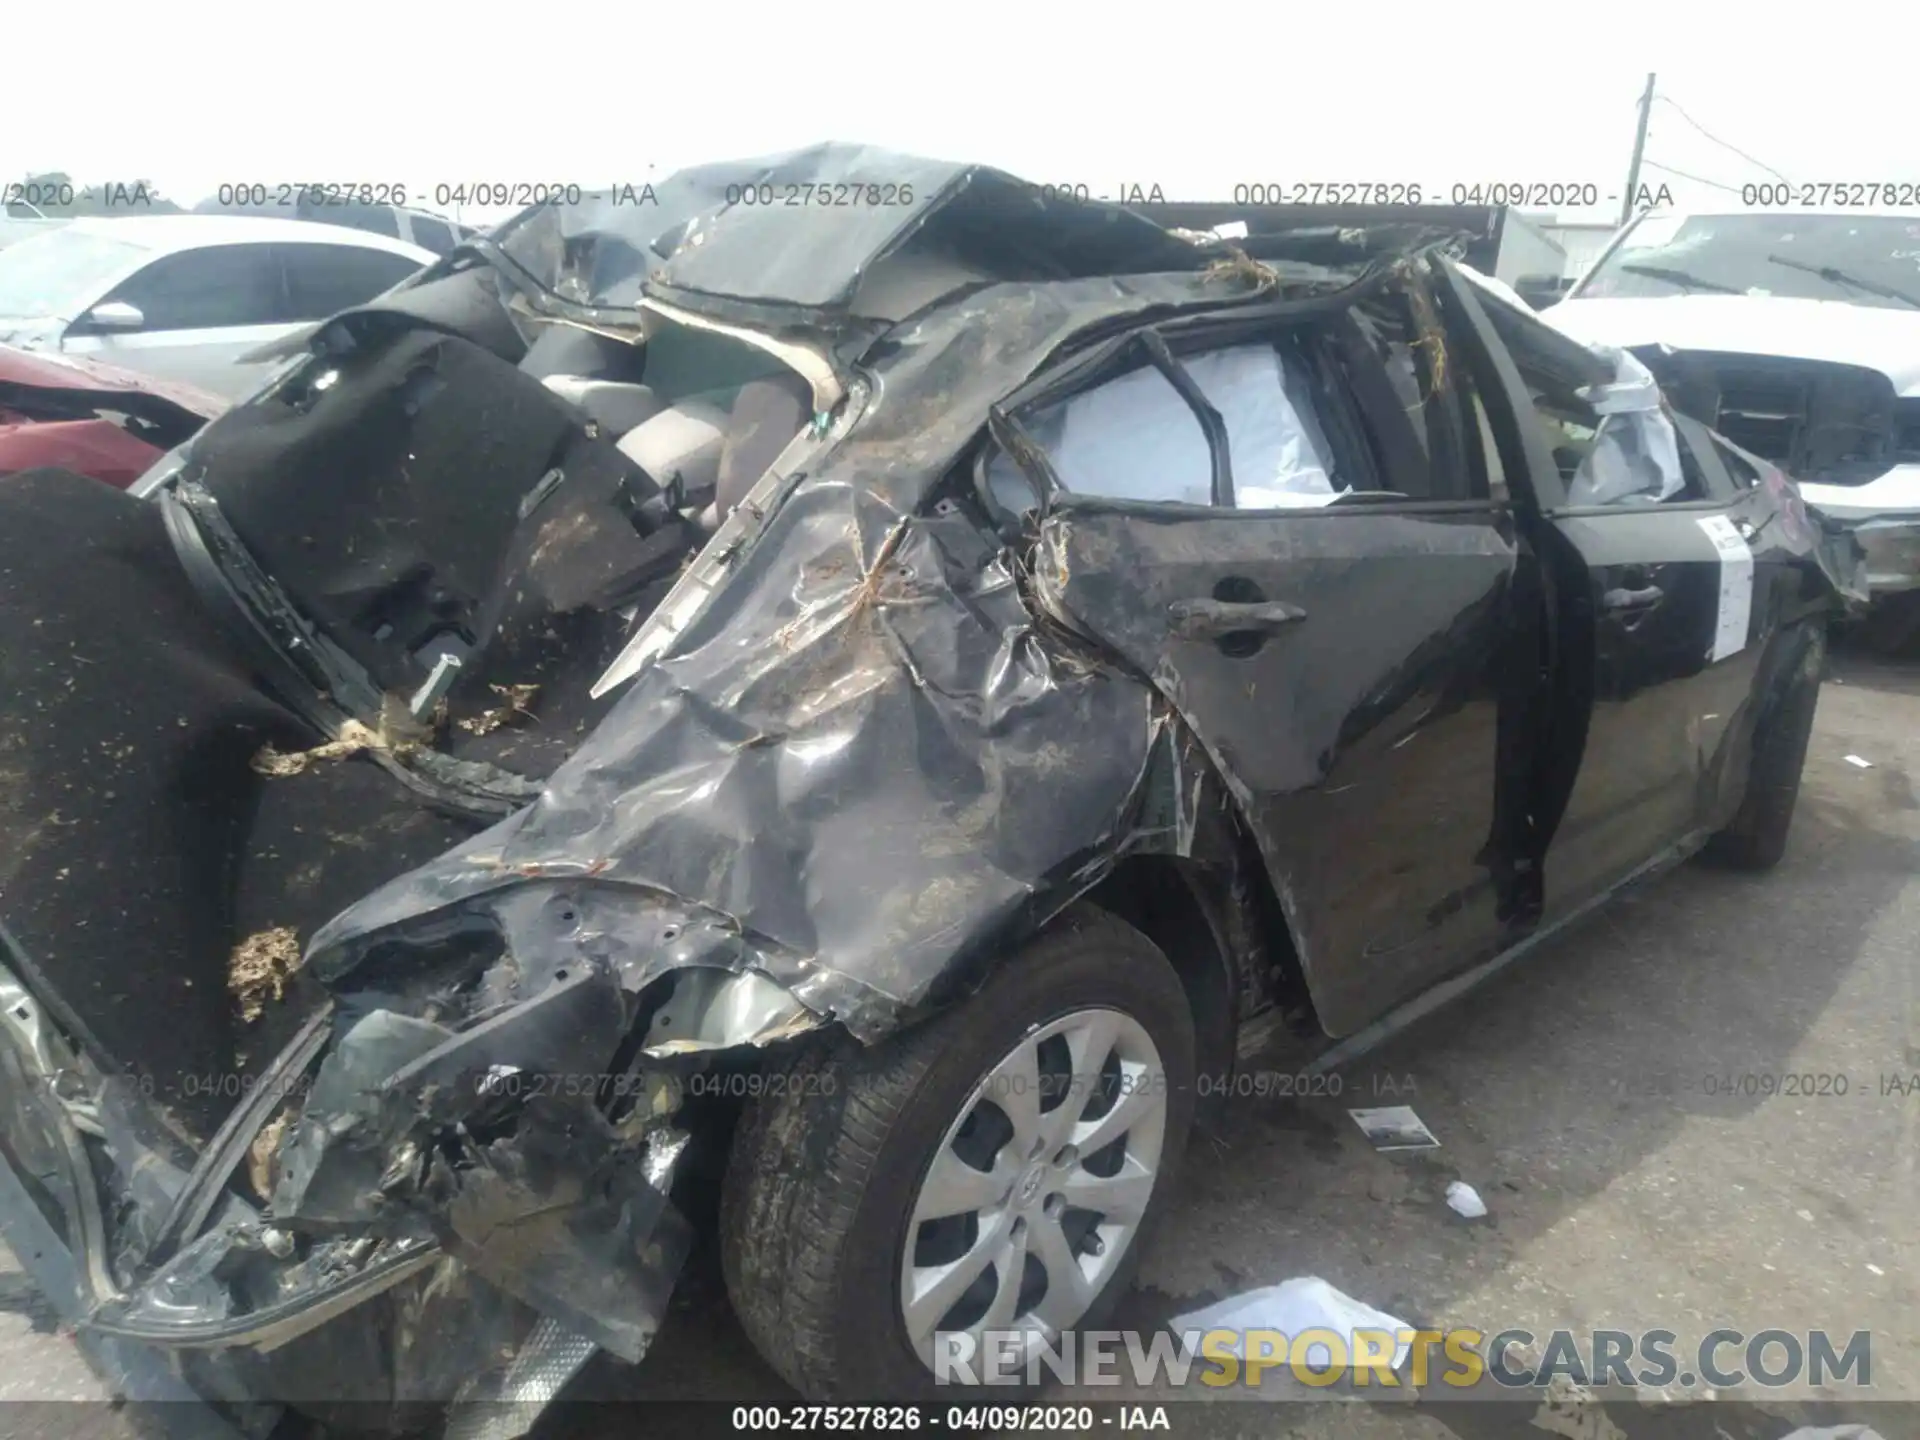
pixel 1857 259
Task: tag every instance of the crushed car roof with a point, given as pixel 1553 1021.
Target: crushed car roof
pixel 802 228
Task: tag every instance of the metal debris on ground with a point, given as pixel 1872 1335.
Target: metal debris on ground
pixel 260 964
pixel 1394 1127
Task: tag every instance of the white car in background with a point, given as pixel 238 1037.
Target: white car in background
pixel 1795 334
pixel 417 227
pixel 185 296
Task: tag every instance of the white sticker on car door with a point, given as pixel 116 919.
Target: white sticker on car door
pixel 1736 586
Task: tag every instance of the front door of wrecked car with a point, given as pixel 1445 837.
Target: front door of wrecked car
pixel 1667 610
pixel 1332 611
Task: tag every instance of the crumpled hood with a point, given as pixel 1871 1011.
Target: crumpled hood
pixel 47 371
pixel 1876 336
pixel 26 332
pixel 62 411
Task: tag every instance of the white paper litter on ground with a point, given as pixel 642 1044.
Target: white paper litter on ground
pixel 1834 1432
pixel 1305 1302
pixel 1394 1127
pixel 1464 1200
pixel 1856 760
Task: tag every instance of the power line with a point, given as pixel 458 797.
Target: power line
pixel 1697 179
pixel 1718 141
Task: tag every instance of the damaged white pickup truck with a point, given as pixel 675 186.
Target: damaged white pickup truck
pixel 886 689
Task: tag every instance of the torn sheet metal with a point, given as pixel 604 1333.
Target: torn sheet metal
pixel 501 1403
pixel 801 229
pixel 598 1249
pixel 873 745
pixel 868 682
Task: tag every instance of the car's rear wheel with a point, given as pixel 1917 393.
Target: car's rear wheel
pixel 991 1170
pixel 1756 838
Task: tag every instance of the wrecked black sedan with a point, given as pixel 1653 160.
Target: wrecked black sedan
pixel 884 693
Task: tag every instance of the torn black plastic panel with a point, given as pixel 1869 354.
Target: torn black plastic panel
pixel 426 498
pixel 595 1247
pixel 412 1139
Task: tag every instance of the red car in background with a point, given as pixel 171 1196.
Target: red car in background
pixel 96 419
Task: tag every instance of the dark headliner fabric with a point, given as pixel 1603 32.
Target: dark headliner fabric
pixel 136 843
pixel 407 472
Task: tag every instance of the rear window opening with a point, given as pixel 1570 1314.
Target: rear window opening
pixel 477 535
pixel 701 412
pixel 1350 405
pixel 1135 438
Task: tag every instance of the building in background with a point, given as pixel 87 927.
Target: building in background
pixel 1580 241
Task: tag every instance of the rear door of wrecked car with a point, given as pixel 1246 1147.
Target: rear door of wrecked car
pixel 1358 668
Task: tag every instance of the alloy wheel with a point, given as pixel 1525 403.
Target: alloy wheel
pixel 1038 1186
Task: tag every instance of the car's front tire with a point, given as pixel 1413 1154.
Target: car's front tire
pixel 992 1169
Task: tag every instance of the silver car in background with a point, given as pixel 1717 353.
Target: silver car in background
pixel 186 296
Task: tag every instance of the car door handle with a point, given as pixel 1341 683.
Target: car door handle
pixel 1206 619
pixel 1632 601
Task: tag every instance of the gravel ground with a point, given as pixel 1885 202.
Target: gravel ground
pixel 1596 1095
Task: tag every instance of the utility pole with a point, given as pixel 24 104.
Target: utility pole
pixel 1639 149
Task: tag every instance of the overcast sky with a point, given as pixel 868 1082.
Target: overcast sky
pixel 193 95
